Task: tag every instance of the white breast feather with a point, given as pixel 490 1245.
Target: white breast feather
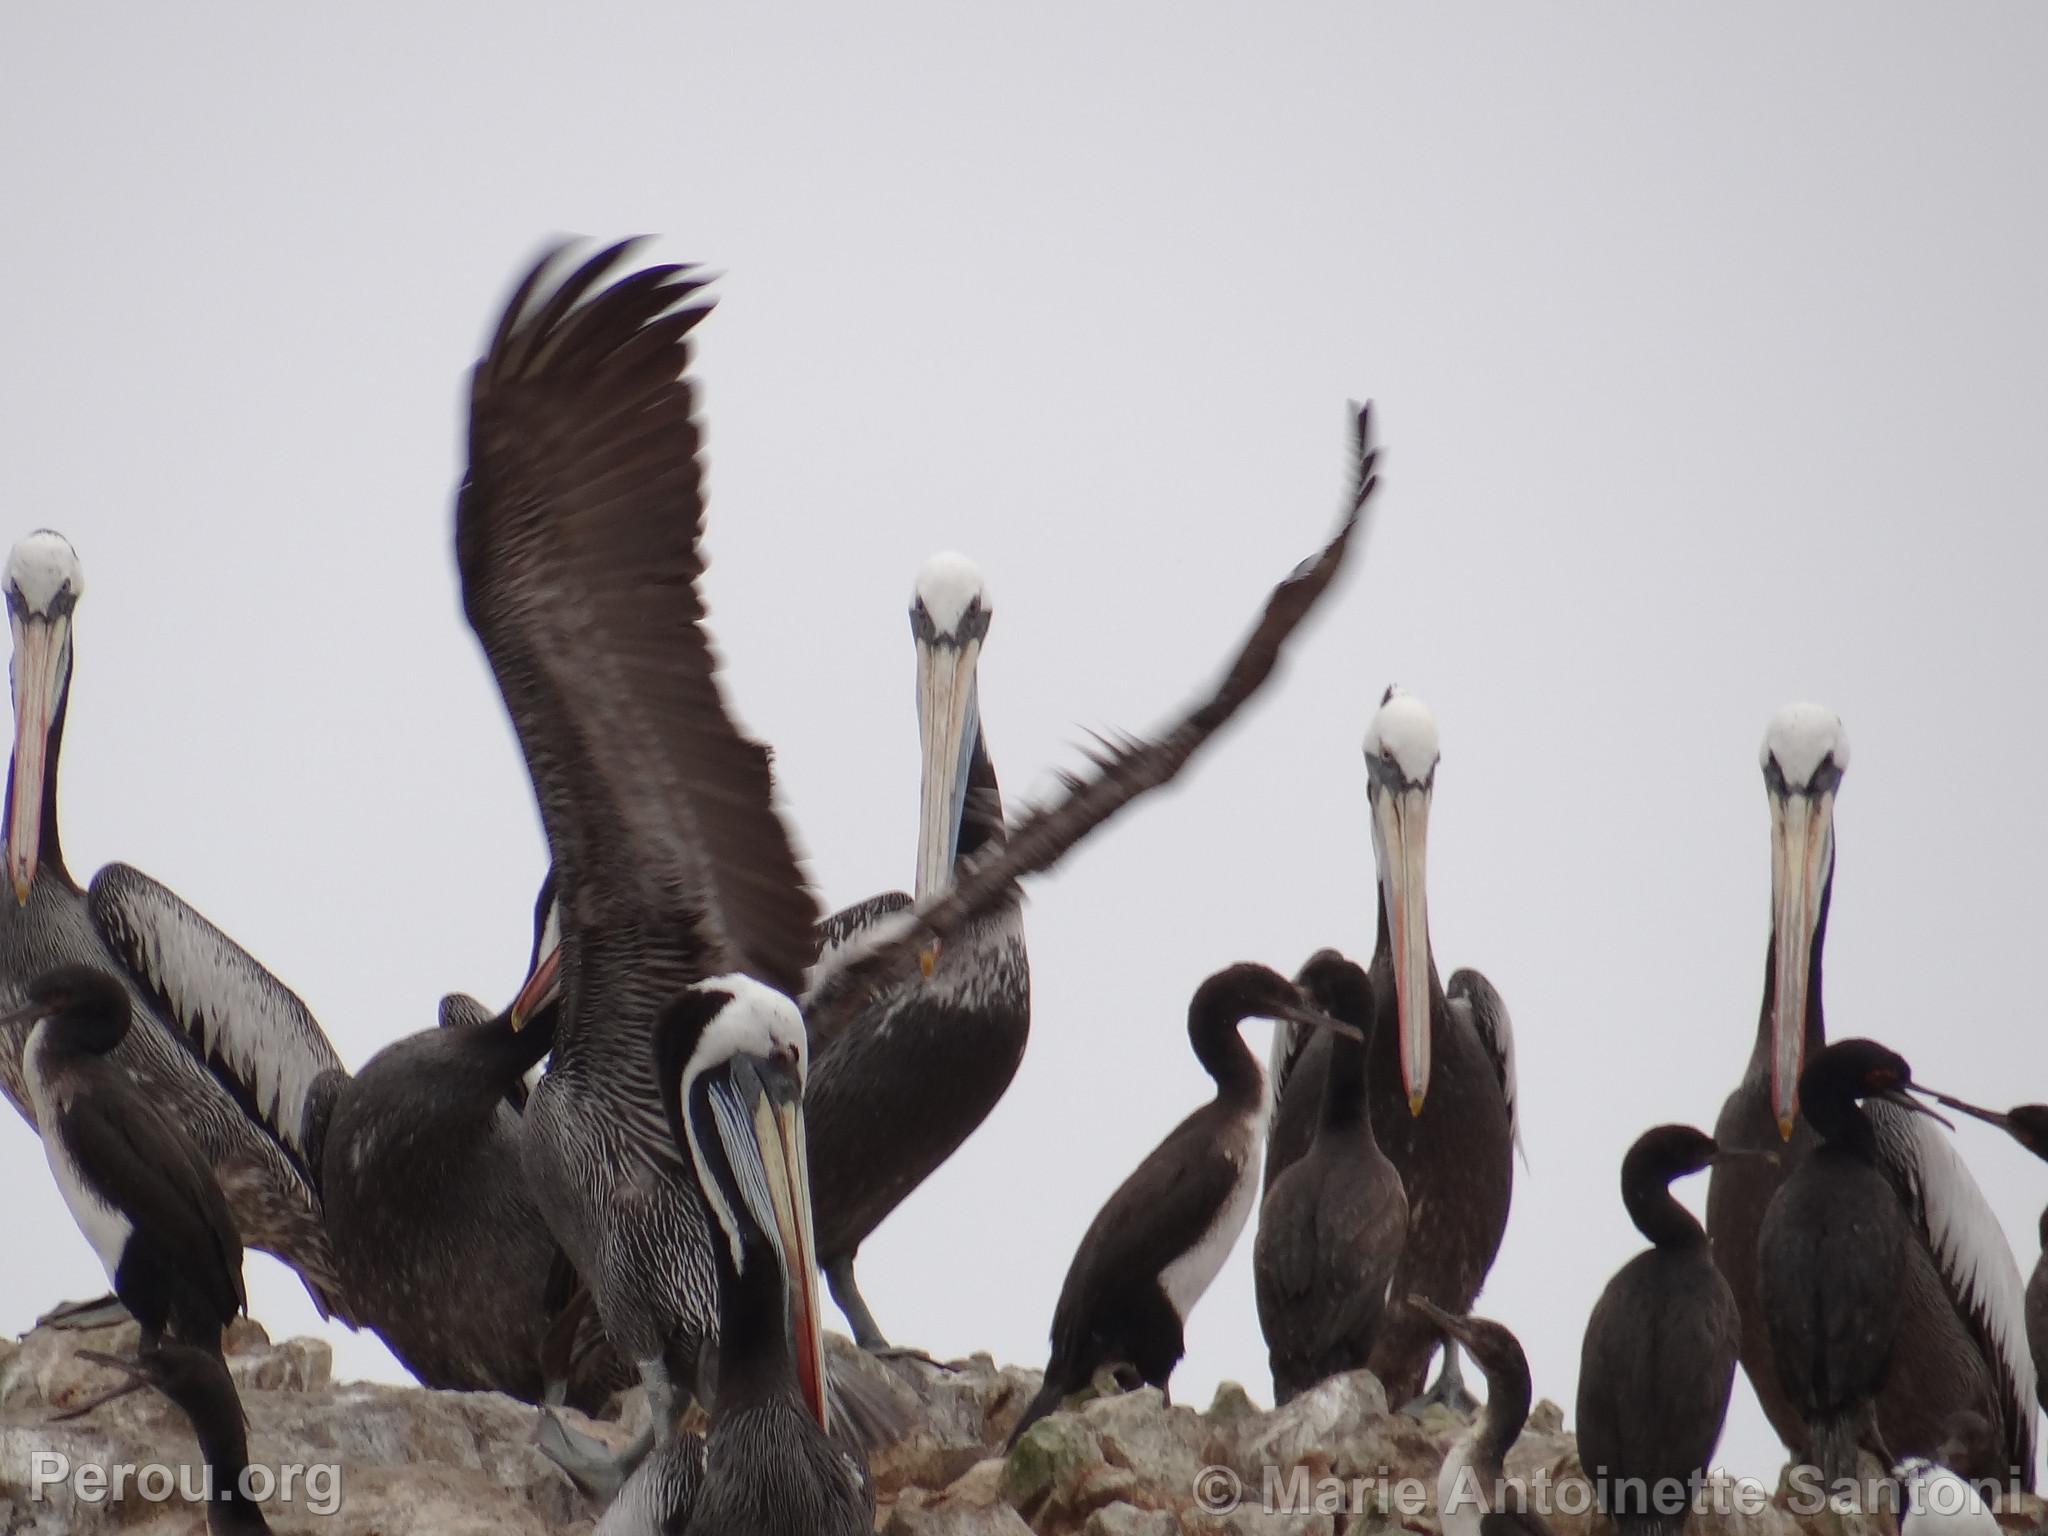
pixel 1460 1501
pixel 104 1226
pixel 1187 1277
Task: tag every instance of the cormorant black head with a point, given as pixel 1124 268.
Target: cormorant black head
pixel 1340 987
pixel 1664 1153
pixel 2026 1124
pixel 43 584
pixel 1401 757
pixel 1804 756
pixel 1850 1070
pixel 1497 1351
pixel 1239 992
pixel 730 1060
pixel 88 1007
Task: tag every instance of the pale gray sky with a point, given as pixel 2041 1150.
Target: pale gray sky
pixel 1708 348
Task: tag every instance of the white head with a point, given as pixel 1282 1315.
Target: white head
pixel 751 1019
pixel 1804 754
pixel 1400 775
pixel 1802 738
pixel 43 585
pixel 949 587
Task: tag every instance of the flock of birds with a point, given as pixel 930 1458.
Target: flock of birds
pixel 706 1094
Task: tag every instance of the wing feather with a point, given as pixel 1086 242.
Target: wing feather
pixel 252 1031
pixel 1971 1251
pixel 577 532
pixel 1124 770
pixel 1474 997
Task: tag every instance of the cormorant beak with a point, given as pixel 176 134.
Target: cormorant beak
pixel 543 983
pixel 1905 1100
pixel 1988 1116
pixel 27 1013
pixel 1802 858
pixel 42 666
pixel 1742 1154
pixel 1315 1018
pixel 773 1091
pixel 948 724
pixel 137 1380
pixel 1400 835
pixel 1449 1322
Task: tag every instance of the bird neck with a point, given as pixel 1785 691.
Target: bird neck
pixel 224 1442
pixel 1658 1214
pixel 1840 1122
pixel 49 846
pixel 981 818
pixel 1220 1048
pixel 1344 1084
pixel 755 1359
pixel 1501 1421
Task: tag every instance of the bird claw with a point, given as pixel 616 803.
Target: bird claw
pixel 591 1464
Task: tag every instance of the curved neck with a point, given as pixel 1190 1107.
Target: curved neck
pixel 1840 1122
pixel 1220 1048
pixel 1344 1085
pixel 224 1442
pixel 1657 1213
pixel 1501 1421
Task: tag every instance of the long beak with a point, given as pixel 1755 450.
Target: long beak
pixel 1988 1116
pixel 135 1383
pixel 1907 1101
pixel 1450 1322
pixel 543 982
pixel 1744 1154
pixel 1401 840
pixel 1315 1018
pixel 42 649
pixel 1802 837
pixel 948 720
pixel 785 1166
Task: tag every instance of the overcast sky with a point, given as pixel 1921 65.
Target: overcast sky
pixel 1708 346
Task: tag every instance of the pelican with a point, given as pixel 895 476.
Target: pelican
pixel 879 1123
pixel 1963 1339
pixel 1442 1081
pixel 121 923
pixel 577 530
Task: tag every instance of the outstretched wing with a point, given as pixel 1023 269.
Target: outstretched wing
pixel 577 532
pixel 1122 772
pixel 252 1031
pixel 1474 1000
pixel 1971 1251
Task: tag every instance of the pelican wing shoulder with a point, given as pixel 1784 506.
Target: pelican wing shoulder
pixel 1473 997
pixel 254 1033
pixel 1972 1254
pixel 1121 772
pixel 577 533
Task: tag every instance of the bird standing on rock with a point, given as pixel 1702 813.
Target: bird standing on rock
pixel 1658 1360
pixel 142 1193
pixel 1472 1494
pixel 1154 1247
pixel 1332 1225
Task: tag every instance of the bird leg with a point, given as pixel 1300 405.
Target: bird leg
pixel 78 1316
pixel 846 1294
pixel 1448 1391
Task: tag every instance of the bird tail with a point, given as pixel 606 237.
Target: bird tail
pixel 1047 1400
pixel 1837 1448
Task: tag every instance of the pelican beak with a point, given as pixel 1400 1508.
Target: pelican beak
pixel 543 982
pixel 1802 858
pixel 948 724
pixel 1400 835
pixel 783 1156
pixel 42 666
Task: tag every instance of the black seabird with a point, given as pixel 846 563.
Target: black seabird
pixel 127 924
pixel 1332 1225
pixel 199 1385
pixel 1160 1239
pixel 1658 1361
pixel 2028 1125
pixel 1442 1082
pixel 142 1193
pixel 577 535
pixel 1964 1342
pixel 1835 1259
pixel 1476 1465
pixel 416 1160
pixel 877 1129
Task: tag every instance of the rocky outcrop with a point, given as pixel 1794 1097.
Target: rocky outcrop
pixel 355 1459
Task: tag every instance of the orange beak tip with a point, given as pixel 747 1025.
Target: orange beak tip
pixel 1415 1101
pixel 928 960
pixel 21 889
pixel 1785 1123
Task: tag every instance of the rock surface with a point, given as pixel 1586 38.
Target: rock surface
pixel 403 1461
